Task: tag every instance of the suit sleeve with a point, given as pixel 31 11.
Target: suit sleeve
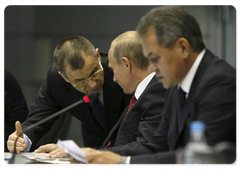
pixel 216 107
pixel 157 158
pixel 43 106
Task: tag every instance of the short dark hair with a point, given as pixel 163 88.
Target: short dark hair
pixel 73 51
pixel 172 23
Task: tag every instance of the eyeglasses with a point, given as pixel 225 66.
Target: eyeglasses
pixel 94 75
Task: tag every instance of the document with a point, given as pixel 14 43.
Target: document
pixel 73 150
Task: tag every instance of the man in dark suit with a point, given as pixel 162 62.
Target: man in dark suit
pixel 129 66
pixel 15 106
pixel 141 118
pixel 77 70
pixel 172 42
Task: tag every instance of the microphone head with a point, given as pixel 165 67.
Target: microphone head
pixel 90 97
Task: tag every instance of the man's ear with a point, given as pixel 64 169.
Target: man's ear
pixel 98 55
pixel 64 77
pixel 184 47
pixel 127 63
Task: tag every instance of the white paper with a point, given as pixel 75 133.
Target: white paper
pixel 73 149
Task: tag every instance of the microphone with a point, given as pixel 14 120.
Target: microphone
pixel 86 99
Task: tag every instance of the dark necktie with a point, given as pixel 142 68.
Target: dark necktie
pixel 132 101
pixel 99 112
pixel 181 102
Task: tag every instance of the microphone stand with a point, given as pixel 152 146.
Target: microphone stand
pixel 19 159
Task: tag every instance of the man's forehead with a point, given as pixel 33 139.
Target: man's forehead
pixel 149 43
pixel 90 63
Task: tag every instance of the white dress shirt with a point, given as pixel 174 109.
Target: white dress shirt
pixel 187 81
pixel 141 86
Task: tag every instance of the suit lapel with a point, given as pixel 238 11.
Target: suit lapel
pixel 132 114
pixel 206 61
pixel 173 126
pixel 185 113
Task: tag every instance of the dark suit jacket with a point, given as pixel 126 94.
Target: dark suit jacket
pixel 142 120
pixel 212 99
pixel 56 94
pixel 15 106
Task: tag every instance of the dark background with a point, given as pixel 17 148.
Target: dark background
pixel 32 32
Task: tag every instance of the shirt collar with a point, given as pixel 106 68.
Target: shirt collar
pixel 141 86
pixel 187 81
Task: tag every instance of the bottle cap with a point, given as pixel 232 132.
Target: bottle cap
pixel 197 126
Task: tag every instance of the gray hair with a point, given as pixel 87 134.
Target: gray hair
pixel 172 23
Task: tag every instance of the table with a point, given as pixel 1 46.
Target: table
pixel 36 158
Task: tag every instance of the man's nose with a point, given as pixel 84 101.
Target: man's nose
pixel 92 83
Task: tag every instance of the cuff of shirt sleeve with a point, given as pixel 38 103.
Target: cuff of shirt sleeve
pixel 128 160
pixel 28 143
pixel 124 160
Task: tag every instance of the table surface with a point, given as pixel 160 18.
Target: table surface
pixel 41 157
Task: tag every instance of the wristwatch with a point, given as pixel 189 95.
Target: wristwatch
pixel 123 161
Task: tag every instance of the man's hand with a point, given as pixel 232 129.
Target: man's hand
pixel 13 137
pixel 87 150
pixel 54 151
pixel 102 157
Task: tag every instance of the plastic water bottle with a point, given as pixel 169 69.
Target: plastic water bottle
pixel 197 150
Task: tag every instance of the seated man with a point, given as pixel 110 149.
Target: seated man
pixel 140 119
